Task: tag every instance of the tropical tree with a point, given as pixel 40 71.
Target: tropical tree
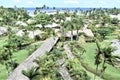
pixel 104 31
pixel 104 55
pixel 69 26
pixel 4 58
pixel 31 73
pixel 75 71
pixel 115 21
pixel 43 19
pixel 60 17
pixel 78 23
pixel 77 49
pixel 13 64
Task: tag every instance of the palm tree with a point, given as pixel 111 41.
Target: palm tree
pixel 4 57
pixel 60 17
pixel 75 13
pixel 69 25
pixel 97 58
pixel 13 64
pixel 31 73
pixel 107 57
pixel 78 23
pixel 104 55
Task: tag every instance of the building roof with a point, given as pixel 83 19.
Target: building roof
pixel 30 21
pixel 88 32
pixel 21 23
pixel 53 25
pixel 3 30
pixel 31 34
pixel 39 25
pixel 68 33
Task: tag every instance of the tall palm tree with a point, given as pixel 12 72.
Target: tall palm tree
pixel 78 23
pixel 107 57
pixel 104 55
pixel 69 25
pixel 97 58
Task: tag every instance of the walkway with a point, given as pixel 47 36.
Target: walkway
pixel 63 70
pixel 68 51
pixel 28 63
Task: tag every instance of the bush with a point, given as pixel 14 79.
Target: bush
pixel 44 36
pixel 104 31
pixel 37 38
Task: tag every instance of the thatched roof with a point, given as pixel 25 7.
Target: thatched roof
pixel 68 19
pixel 116 43
pixel 30 21
pixel 20 33
pixel 31 34
pixel 88 32
pixel 53 25
pixel 3 30
pixel 39 26
pixel 115 16
pixel 21 23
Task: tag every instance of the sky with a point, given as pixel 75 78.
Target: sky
pixel 62 3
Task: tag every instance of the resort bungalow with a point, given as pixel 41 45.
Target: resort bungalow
pixel 115 16
pixel 53 25
pixel 31 21
pixel 87 33
pixel 38 26
pixel 68 35
pixel 31 34
pixel 20 33
pixel 3 30
pixel 21 23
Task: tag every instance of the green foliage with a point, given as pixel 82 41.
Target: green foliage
pixel 48 68
pixel 43 19
pixel 31 73
pixel 9 15
pixel 77 49
pixel 104 31
pixel 115 21
pixel 75 70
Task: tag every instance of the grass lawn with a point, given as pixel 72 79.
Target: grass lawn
pixel 89 59
pixel 111 37
pixel 3 41
pixel 19 56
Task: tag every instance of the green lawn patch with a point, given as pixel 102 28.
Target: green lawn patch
pixel 19 56
pixel 111 73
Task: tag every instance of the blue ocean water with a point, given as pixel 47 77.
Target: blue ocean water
pixel 31 10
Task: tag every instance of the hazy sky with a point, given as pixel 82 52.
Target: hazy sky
pixel 61 3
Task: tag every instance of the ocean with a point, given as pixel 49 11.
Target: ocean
pixel 31 10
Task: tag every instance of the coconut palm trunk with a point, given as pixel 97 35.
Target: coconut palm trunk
pixel 103 68
pixel 71 35
pixel 77 34
pixel 96 72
